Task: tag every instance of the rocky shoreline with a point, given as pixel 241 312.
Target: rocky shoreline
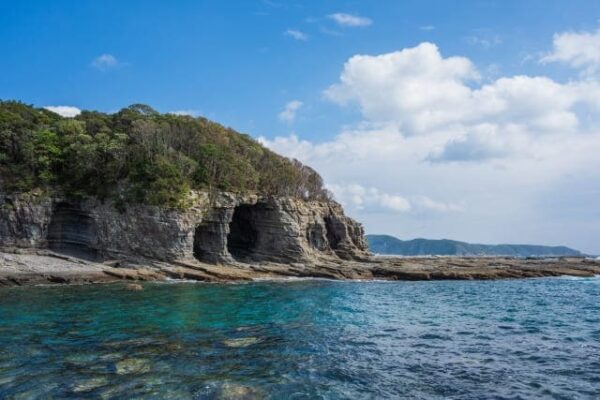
pixel 27 267
pixel 221 237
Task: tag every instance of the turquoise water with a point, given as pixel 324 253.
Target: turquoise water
pixel 304 340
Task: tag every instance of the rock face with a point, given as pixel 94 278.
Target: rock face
pixel 221 229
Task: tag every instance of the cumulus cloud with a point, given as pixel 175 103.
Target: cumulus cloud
pixel 64 111
pixel 350 20
pixel 423 92
pixel 493 200
pixel 425 88
pixel 288 115
pixel 452 156
pixel 576 49
pixel 471 148
pixel 359 197
pixel 296 34
pixel 104 62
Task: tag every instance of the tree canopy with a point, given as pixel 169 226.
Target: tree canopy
pixel 138 155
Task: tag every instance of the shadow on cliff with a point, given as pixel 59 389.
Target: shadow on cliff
pixel 72 232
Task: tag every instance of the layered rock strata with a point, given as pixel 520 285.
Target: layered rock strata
pixel 221 229
pixel 225 237
pixel 32 266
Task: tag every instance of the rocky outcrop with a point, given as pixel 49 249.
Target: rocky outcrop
pixel 35 266
pixel 221 229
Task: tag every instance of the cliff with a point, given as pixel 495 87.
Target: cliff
pixel 139 188
pixel 223 229
pixel 53 239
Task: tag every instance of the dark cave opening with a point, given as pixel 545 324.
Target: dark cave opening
pixel 315 235
pixel 72 231
pixel 243 232
pixel 331 229
pixel 208 242
pixel 200 251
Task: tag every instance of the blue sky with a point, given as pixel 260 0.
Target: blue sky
pixel 240 63
pixel 231 61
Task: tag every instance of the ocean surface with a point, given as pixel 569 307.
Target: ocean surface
pixel 313 339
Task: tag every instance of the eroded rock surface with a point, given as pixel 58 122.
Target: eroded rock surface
pixel 31 267
pixel 219 229
pixel 224 238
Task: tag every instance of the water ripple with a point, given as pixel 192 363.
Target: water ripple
pixel 305 339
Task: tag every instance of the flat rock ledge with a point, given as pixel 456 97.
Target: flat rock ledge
pixel 26 267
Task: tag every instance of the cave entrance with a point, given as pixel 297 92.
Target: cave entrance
pixel 332 227
pixel 72 231
pixel 242 241
pixel 209 242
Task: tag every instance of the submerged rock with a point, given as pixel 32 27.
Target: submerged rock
pixel 133 366
pixel 5 380
pixel 134 342
pixel 234 391
pixel 110 357
pixel 90 384
pixel 135 287
pixel 241 342
pixel 81 359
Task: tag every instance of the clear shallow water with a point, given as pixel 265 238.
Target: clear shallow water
pixel 304 340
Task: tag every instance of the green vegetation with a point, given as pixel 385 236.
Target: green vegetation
pixel 138 155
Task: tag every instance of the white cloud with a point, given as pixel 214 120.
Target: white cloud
pixel 358 197
pixel 576 49
pixel 368 154
pixel 191 113
pixel 483 144
pixel 288 114
pixel 415 86
pixel 105 62
pixel 350 20
pixel 422 92
pixel 296 34
pixel 484 40
pixel 429 204
pixel 427 28
pixel 461 158
pixel 65 111
pixel 493 200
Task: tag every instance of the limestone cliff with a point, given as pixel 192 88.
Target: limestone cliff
pixel 224 228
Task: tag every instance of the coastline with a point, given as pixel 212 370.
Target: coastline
pixel 28 267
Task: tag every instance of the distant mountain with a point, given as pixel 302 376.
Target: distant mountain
pixel 385 244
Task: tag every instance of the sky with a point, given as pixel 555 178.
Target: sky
pixel 470 120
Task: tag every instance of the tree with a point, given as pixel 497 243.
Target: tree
pixel 140 155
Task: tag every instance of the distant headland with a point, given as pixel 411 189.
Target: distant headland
pixel 390 245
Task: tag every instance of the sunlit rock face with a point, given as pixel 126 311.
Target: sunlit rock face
pixel 220 228
pixel 254 229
